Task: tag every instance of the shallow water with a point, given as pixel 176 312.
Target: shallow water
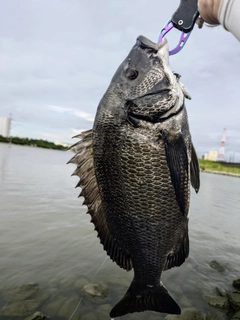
pixel 46 238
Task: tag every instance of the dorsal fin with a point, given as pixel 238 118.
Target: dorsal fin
pixel 85 170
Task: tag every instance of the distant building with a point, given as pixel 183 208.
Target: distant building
pixel 221 154
pixel 5 126
pixel 211 155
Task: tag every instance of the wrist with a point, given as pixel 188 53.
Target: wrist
pixel 208 10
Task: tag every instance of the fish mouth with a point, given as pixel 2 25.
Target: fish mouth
pixel 145 43
pixel 157 52
pixel 154 49
pixel 161 88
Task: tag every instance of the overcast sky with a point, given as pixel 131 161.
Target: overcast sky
pixel 57 58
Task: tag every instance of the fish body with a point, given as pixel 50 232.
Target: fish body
pixel 135 167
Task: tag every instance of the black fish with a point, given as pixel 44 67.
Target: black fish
pixel 135 168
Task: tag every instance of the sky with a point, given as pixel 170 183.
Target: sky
pixel 57 58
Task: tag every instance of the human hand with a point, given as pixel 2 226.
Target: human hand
pixel 208 10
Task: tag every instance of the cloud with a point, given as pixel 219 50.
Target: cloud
pixel 57 59
pixel 48 136
pixel 76 132
pixel 81 114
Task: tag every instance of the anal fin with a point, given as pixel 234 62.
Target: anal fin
pixel 180 254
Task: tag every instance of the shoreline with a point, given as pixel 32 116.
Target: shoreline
pixel 224 173
pixel 48 147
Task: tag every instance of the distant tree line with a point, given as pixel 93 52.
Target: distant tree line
pixel 219 166
pixel 33 142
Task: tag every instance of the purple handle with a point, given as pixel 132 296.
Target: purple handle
pixel 183 39
pixel 181 43
pixel 165 30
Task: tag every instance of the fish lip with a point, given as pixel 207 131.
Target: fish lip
pixel 152 49
pixel 145 43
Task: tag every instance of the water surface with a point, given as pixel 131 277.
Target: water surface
pixel 47 238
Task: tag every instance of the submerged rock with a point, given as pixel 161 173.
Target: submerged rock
pixel 185 302
pixel 217 302
pixel 104 310
pixel 80 283
pixel 20 308
pixel 234 300
pixel 96 289
pixel 214 316
pixel 21 293
pixel 89 316
pixel 105 307
pixel 215 265
pixel 42 296
pixel 236 283
pixel 236 316
pixel 221 292
pixel 51 309
pixel 36 316
pixel 68 308
pixel 119 281
pixel 187 314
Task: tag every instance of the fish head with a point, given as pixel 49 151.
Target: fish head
pixel 144 83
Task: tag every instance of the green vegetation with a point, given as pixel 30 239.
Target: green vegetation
pixel 219 166
pixel 33 143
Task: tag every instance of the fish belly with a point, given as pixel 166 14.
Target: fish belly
pixel 138 197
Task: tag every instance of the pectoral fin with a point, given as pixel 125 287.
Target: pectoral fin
pixel 88 182
pixel 195 171
pixel 177 159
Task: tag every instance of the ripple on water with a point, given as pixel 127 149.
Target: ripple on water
pixel 47 238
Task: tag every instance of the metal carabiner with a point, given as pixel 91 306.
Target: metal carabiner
pixel 183 38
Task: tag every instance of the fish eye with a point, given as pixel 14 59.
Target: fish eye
pixel 131 73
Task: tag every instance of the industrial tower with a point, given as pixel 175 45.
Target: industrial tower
pixel 221 153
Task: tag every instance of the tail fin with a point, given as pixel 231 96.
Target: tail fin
pixel 157 300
